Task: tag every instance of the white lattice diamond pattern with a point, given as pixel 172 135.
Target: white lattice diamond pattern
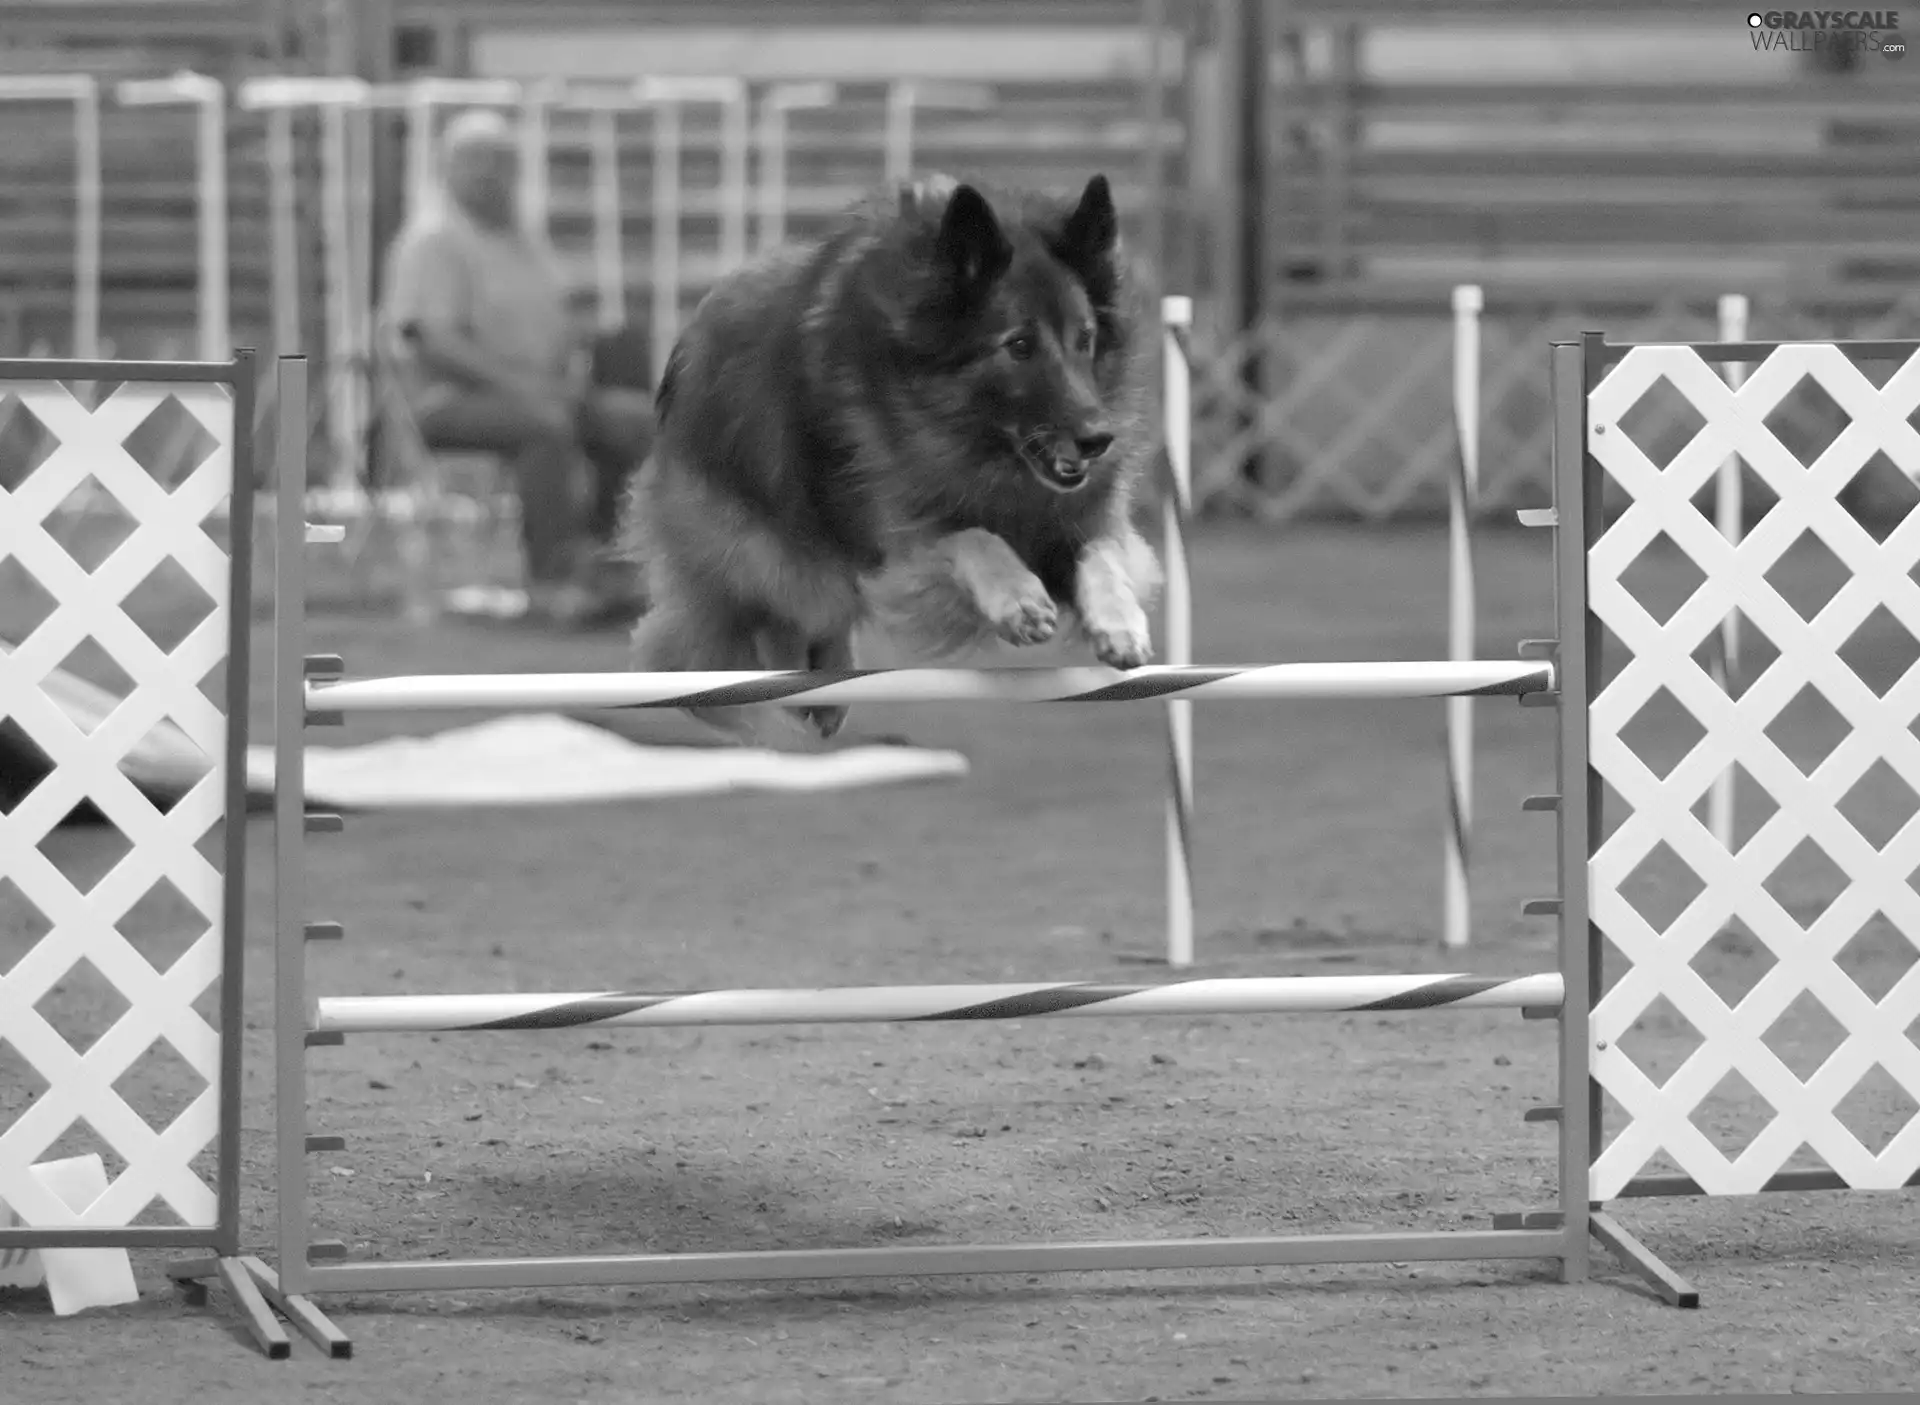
pixel 166 686
pixel 1809 805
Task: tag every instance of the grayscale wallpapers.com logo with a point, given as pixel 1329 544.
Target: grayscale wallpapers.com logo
pixel 1805 31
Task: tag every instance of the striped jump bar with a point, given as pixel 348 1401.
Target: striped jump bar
pixel 373 1014
pixel 1469 678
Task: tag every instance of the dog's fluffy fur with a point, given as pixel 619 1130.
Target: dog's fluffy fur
pixel 930 423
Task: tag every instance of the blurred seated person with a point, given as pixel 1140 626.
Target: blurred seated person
pixel 617 435
pixel 494 361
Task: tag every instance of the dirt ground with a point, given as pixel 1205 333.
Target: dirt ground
pixel 1319 852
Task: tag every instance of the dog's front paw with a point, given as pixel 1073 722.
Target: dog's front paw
pixel 1021 612
pixel 1121 638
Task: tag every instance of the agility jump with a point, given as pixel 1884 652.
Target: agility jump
pixel 311 689
pixel 1594 385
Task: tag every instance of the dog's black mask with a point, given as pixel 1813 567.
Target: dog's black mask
pixel 1034 298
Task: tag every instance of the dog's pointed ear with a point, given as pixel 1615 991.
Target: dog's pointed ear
pixel 1091 234
pixel 971 245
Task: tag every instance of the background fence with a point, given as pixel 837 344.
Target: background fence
pixel 1358 423
pixel 1318 175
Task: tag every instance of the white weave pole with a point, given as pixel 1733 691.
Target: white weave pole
pixel 209 97
pixel 82 93
pixel 1729 513
pixel 905 98
pixel 1176 315
pixel 1463 490
pixel 771 192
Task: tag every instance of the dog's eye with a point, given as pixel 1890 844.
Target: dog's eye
pixel 1020 347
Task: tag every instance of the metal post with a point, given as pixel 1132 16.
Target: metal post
pixel 234 868
pixel 289 821
pixel 283 232
pixel 1576 502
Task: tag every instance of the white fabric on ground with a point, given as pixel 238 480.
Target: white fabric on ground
pixel 547 759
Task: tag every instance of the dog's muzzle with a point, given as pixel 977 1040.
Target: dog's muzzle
pixel 1067 470
pixel 1065 473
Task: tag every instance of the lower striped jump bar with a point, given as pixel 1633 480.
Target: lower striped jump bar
pixel 1270 995
pixel 510 691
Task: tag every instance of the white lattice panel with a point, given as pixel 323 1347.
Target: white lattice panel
pixel 166 524
pixel 1656 809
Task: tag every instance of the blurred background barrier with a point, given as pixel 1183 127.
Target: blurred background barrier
pixel 183 175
